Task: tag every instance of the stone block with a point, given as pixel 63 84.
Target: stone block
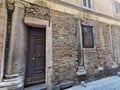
pixel 67 84
pixel 57 87
pixel 3 88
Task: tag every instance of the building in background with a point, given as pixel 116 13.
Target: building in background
pixel 57 43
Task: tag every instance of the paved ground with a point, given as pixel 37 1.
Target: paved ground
pixel 110 83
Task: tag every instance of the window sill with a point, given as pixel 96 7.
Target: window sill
pixel 117 15
pixel 90 9
pixel 89 49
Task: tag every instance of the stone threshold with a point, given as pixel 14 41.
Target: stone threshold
pixel 37 87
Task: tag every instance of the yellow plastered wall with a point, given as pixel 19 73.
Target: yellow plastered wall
pixel 104 6
pixel 82 14
pixel 100 6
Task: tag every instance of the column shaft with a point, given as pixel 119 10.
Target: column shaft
pixel 16 57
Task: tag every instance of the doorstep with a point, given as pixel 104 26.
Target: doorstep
pixel 37 87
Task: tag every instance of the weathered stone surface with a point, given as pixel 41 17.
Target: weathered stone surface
pixel 65 51
pixel 16 59
pixel 68 84
pixel 10 6
pixel 2 31
pixel 115 30
pixel 9 23
pixel 106 50
pixel 38 12
pixel 64 46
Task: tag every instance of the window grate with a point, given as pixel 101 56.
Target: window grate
pixel 117 7
pixel 87 36
pixel 87 3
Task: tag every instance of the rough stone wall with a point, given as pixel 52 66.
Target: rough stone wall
pixel 64 32
pixel 38 12
pixel 116 42
pixel 65 52
pixel 106 51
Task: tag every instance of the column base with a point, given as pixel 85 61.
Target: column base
pixel 12 84
pixel 81 71
pixel 12 75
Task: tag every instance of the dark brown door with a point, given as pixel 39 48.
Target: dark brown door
pixel 35 65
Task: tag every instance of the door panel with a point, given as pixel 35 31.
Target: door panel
pixel 35 66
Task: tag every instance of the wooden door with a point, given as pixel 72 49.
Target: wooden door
pixel 35 64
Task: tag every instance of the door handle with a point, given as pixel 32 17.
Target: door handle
pixel 36 57
pixel 33 58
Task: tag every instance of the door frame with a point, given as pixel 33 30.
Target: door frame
pixel 36 35
pixel 35 22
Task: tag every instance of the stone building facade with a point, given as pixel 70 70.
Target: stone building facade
pixel 55 29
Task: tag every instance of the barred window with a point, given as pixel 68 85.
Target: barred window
pixel 87 36
pixel 117 7
pixel 87 3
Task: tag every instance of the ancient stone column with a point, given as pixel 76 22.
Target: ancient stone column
pixel 80 47
pixel 17 48
pixel 3 23
pixel 81 67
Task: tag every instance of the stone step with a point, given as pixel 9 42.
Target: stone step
pixel 37 87
pixel 64 85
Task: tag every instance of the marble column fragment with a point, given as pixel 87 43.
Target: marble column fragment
pixel 17 48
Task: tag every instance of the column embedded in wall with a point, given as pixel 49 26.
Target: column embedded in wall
pixel 16 58
pixel 81 68
pixel 3 25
